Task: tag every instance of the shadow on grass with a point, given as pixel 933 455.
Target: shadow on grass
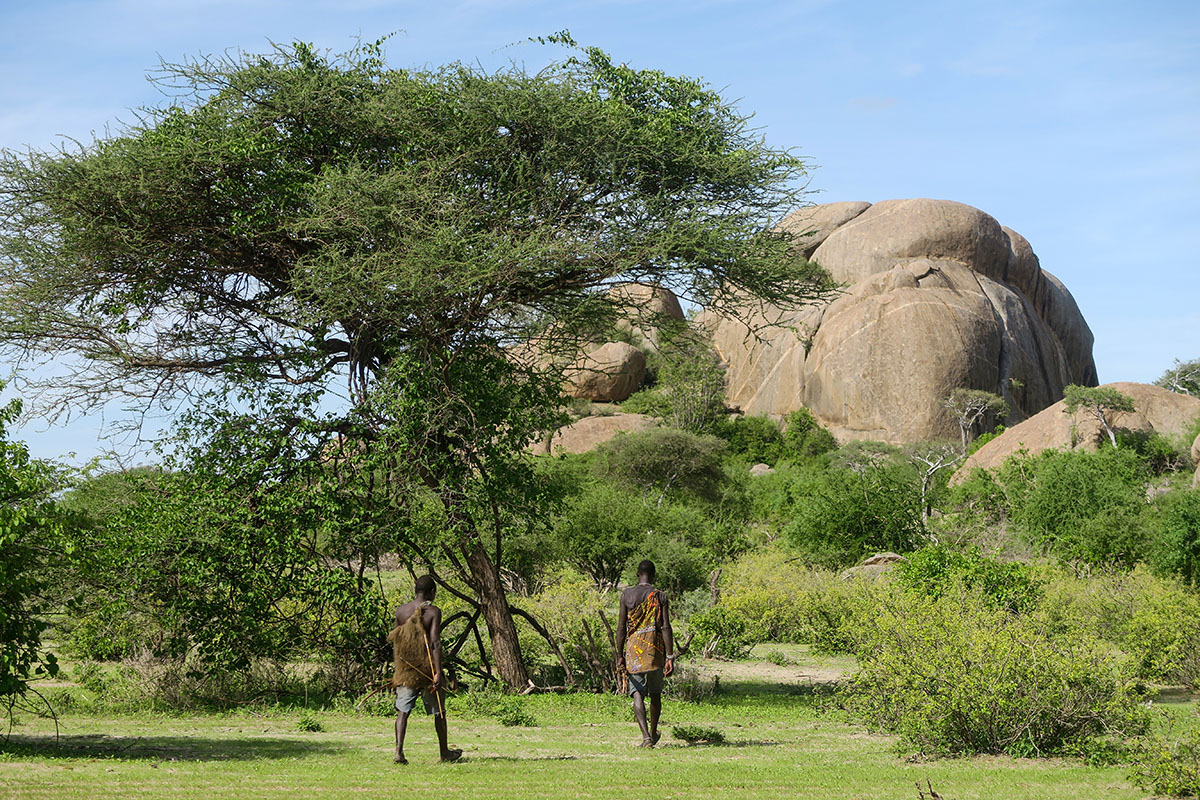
pixel 738 743
pixel 162 748
pixel 469 758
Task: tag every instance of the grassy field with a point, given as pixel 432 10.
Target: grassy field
pixel 780 744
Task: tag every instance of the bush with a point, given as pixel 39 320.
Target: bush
pixel 933 570
pixel 957 675
pixel 756 439
pixel 1080 506
pixel 662 463
pixel 804 438
pixel 30 527
pixel 782 600
pixel 842 515
pixel 1170 768
pixel 112 631
pixel 309 723
pixel 779 658
pixel 1156 621
pixel 698 734
pixel 733 633
pixel 1176 546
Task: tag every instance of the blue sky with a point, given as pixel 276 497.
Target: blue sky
pixel 1075 123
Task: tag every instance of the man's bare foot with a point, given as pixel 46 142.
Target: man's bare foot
pixel 647 743
pixel 399 760
pixel 450 756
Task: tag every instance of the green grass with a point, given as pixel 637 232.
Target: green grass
pixel 779 744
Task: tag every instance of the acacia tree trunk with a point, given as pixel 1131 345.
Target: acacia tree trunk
pixel 506 649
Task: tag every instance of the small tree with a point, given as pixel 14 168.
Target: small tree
pixel 691 381
pixel 1102 403
pixel 969 406
pixel 930 458
pixel 1184 378
pixel 601 530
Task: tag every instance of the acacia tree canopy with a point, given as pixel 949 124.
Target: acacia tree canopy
pixel 292 216
pixel 300 219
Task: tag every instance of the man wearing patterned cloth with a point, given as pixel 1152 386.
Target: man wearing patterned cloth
pixel 646 648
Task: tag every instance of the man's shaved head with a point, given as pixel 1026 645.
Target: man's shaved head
pixel 646 569
pixel 425 585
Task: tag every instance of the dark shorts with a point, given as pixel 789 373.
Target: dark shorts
pixel 406 700
pixel 646 683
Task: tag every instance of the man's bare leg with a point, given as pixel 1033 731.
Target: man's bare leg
pixel 439 725
pixel 655 711
pixel 401 728
pixel 639 713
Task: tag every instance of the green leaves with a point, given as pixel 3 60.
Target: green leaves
pixel 30 527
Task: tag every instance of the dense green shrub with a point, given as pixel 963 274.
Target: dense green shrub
pixel 665 463
pixel 698 734
pixel 957 675
pixel 112 631
pixel 804 438
pixel 782 600
pixel 1168 767
pixel 934 569
pixel 756 439
pixel 601 529
pixel 1176 546
pixel 30 528
pixel 730 632
pixel 1155 621
pixel 844 514
pixel 1078 505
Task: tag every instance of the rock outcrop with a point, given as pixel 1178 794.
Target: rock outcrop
pixel 1196 461
pixel 1156 410
pixel 645 308
pixel 588 433
pixel 608 374
pixel 939 296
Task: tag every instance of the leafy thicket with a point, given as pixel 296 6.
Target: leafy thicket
pixel 956 674
pixel 31 526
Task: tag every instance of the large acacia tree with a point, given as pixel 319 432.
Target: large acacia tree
pixel 307 220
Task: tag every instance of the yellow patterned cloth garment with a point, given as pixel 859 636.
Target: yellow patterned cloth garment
pixel 645 650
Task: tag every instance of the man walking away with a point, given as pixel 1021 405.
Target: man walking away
pixel 417 652
pixel 646 648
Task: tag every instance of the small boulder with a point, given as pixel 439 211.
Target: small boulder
pixel 758 470
pixel 590 432
pixel 608 374
pixel 645 308
pixel 874 566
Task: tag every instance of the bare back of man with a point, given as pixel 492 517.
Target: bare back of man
pixel 429 686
